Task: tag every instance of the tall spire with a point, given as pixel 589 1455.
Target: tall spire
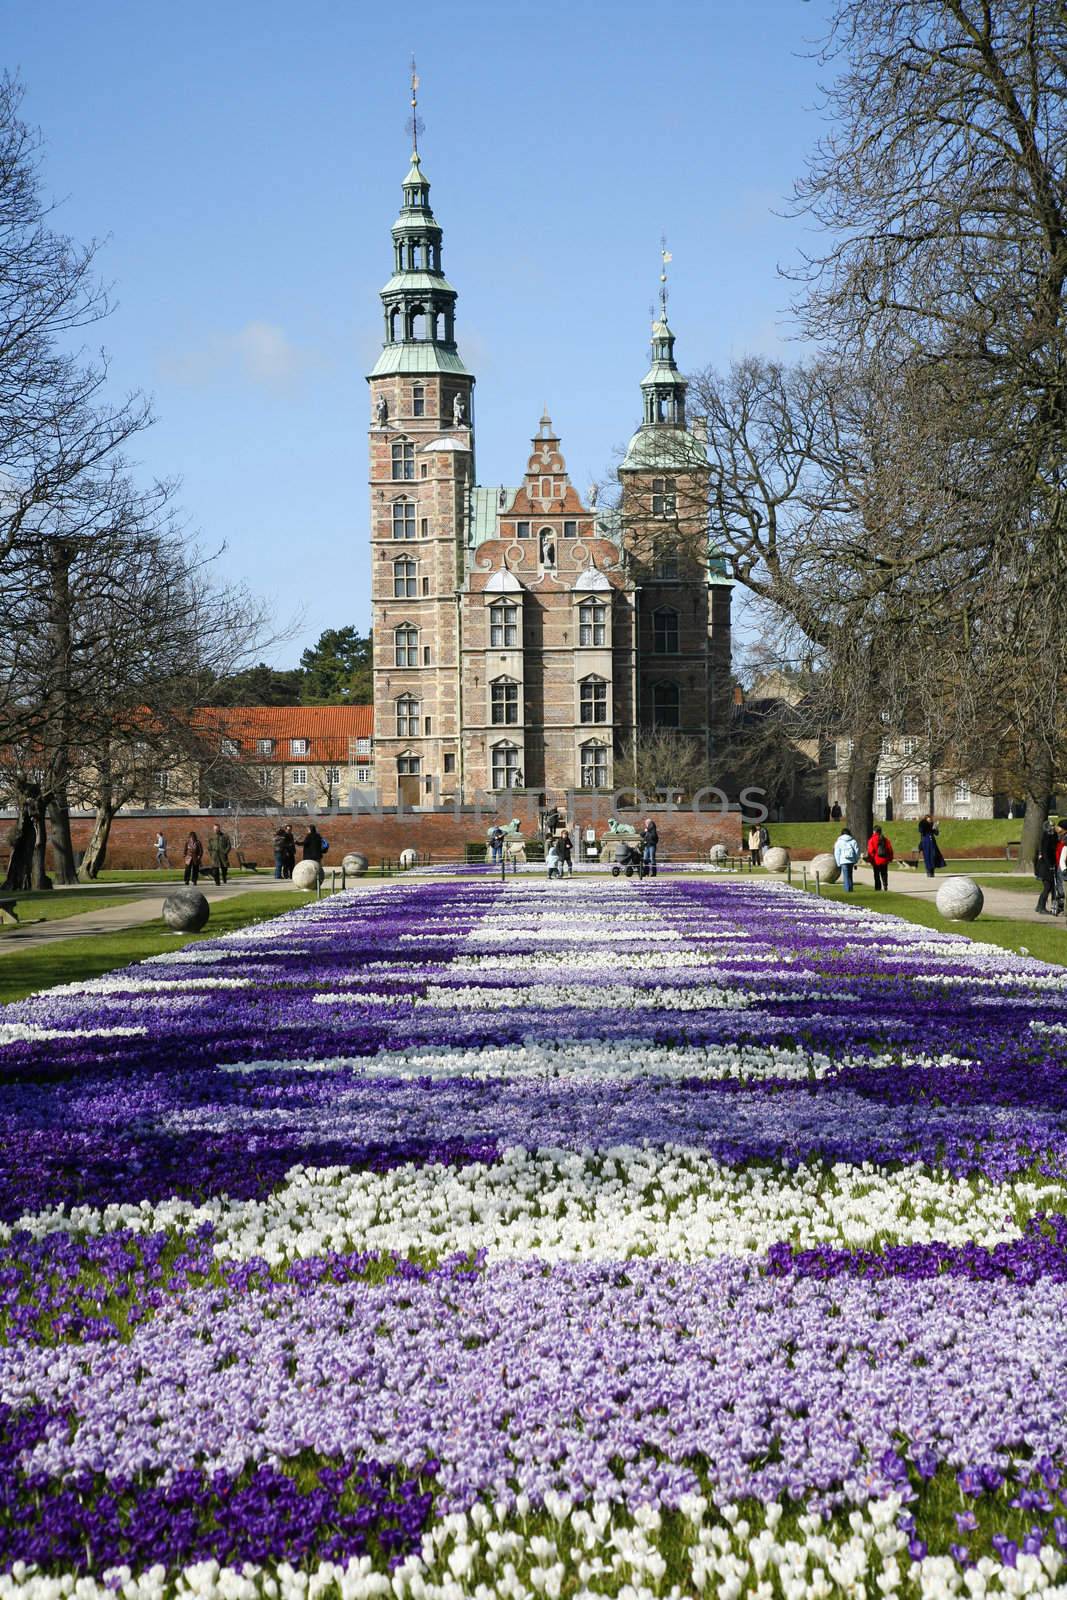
pixel 662 441
pixel 419 303
pixel 664 257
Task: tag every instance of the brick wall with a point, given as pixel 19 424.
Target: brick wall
pixel 443 834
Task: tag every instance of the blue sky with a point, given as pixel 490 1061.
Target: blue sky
pixel 242 160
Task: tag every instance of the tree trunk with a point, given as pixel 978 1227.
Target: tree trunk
pixel 859 796
pixel 62 843
pixel 20 867
pixel 96 850
pixel 39 878
pixel 1038 795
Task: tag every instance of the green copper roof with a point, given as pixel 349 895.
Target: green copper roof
pixel 657 446
pixel 418 357
pixel 662 373
pixel 418 282
pixel 485 509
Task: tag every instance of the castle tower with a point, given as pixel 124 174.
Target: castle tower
pixel 421 469
pixel 682 596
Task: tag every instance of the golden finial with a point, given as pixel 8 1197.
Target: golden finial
pixel 414 124
pixel 665 256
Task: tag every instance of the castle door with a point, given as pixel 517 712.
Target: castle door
pixel 409 780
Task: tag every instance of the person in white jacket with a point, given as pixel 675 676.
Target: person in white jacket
pixel 846 854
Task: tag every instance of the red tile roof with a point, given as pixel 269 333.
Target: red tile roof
pixel 328 728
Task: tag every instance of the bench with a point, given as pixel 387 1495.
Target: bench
pixel 244 863
pixel 7 911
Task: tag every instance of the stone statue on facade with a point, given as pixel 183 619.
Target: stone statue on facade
pixel 593 492
pixel 548 549
pixel 459 412
pixel 381 410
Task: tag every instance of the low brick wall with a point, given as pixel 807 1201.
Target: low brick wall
pixel 382 835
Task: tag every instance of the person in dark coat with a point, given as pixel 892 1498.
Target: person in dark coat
pixel 289 860
pixel 650 844
pixel 1045 869
pixel 928 846
pixel 280 843
pixel 565 851
pixel 313 844
pixel 194 854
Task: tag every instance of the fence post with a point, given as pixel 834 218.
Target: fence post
pixel 818 891
pixel 804 875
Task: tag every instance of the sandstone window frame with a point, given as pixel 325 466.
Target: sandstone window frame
pixel 504 764
pixel 593 700
pixel 503 625
pixel 592 624
pixel 665 631
pixel 666 704
pixel 593 764
pixel 408 713
pixel 403 510
pixel 405 578
pixel 406 645
pixel 402 457
pixel 504 702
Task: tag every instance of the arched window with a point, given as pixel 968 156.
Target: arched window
pixel 592 622
pixel 407 717
pixel 418 401
pixel 394 322
pixel 504 701
pixel 403 459
pixel 664 500
pixel 405 579
pixel 418 323
pixel 665 632
pixel 505 766
pixel 403 519
pixel 594 765
pixel 664 562
pixel 406 641
pixel 503 626
pixel 593 700
pixel 666 707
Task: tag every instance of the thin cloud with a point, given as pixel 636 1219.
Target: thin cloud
pixel 260 354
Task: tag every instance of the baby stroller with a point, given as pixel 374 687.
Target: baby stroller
pixel 628 859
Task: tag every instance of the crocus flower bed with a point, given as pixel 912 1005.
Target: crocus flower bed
pixel 581 1238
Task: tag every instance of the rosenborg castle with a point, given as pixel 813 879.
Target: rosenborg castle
pixel 523 637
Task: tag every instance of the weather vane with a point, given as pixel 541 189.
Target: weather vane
pixel 415 124
pixel 665 256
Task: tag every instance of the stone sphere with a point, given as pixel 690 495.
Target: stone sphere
pixel 960 899
pixel 355 864
pixel 408 858
pixel 776 859
pixel 826 867
pixel 307 875
pixel 718 852
pixel 186 910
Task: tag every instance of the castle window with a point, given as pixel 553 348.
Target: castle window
pixel 505 766
pixel 665 632
pixel 419 324
pixel 450 762
pixel 666 706
pixel 299 747
pixel 264 747
pixel 403 459
pixel 424 527
pixel 403 519
pixel 394 319
pixel 663 497
pixel 418 401
pixel 298 777
pixel 665 563
pixel 404 579
pixel 503 626
pixel 523 530
pixel 570 530
pixel 911 789
pixel 592 622
pixel 426 655
pixel 425 585
pixel 407 716
pixel 406 640
pixel 594 765
pixel 593 700
pixel 504 701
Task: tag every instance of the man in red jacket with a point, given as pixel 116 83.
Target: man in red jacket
pixel 880 854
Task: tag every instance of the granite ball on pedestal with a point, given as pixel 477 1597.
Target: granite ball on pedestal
pixel 408 858
pixel 718 853
pixel 307 875
pixel 355 864
pixel 776 859
pixel 826 867
pixel 186 910
pixel 960 899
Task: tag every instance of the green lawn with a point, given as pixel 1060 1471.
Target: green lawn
pixel 51 905
pixel 1048 942
pixel 73 960
pixel 952 835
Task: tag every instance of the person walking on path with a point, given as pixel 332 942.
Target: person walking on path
pixel 218 849
pixel 289 856
pixel 880 854
pixel 1061 865
pixel 649 846
pixel 496 844
pixel 755 845
pixel 161 851
pixel 928 846
pixel 313 845
pixel 846 854
pixel 279 842
pixel 565 850
pixel 1045 869
pixel 194 854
